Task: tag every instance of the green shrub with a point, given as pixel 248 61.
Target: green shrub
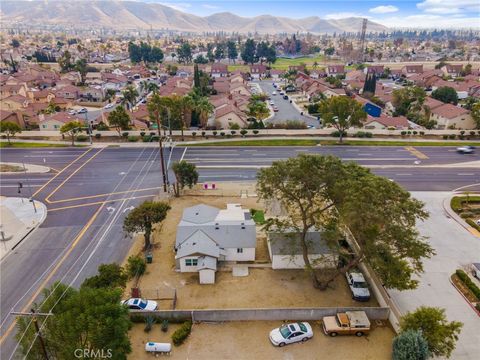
pixel 410 345
pixel 445 137
pixel 102 126
pixel 359 134
pixel 155 138
pixel 133 138
pixel 409 132
pixel 403 133
pixel 179 336
pixel 136 266
pixel 146 138
pixel 243 132
pixel 462 275
pixel 222 133
pixel 98 136
pixel 164 325
pixel 125 134
pixel 204 133
pixel 81 138
pixel 452 136
pixel 368 135
pixel 214 133
pixel 477 306
pixel 336 133
pixel 255 132
pixel 462 132
pixel 149 321
pixel 472 133
pixel 414 132
pixel 466 214
pixel 194 133
pixel 473 224
pixel 422 133
pixel 233 132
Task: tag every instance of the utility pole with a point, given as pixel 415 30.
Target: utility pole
pixel 37 329
pixel 29 188
pixel 362 40
pixel 160 140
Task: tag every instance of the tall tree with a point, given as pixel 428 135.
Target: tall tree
pixel 9 129
pixel 144 217
pixel 232 51
pixel 379 213
pixel 130 95
pixel 65 62
pixel 184 53
pixel 475 113
pixel 248 53
pixel 88 318
pixel 342 112
pixel 119 119
pixel 81 67
pixel 440 334
pixel 15 43
pixel 72 128
pixel 186 174
pixel 408 99
pixel 109 276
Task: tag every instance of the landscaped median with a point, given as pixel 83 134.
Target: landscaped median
pixel 4 144
pixel 469 290
pixel 468 207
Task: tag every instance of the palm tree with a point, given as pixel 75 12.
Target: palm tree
pixel 204 110
pixel 315 65
pixel 130 95
pixel 152 87
pixel 143 85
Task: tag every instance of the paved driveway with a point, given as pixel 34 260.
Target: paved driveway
pixel 455 248
pixel 286 111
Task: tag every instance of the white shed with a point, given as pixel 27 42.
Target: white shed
pixel 286 252
pixel 207 266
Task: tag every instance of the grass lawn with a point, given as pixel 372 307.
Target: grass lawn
pixel 5 144
pixel 10 168
pixel 283 64
pixel 312 142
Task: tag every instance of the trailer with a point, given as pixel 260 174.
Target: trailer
pixel 155 347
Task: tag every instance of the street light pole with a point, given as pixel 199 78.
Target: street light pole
pixel 160 139
pixel 29 188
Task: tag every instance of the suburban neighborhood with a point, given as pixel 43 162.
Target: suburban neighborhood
pixel 231 180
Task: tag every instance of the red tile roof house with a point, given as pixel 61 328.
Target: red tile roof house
pixel 219 70
pixel 374 69
pixel 448 115
pixel 409 70
pixel 452 70
pixel 276 74
pixel 258 71
pixel 69 92
pixel 333 70
pixel 385 122
pixel 228 115
pixel 56 121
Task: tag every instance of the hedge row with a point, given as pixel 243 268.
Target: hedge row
pixel 179 336
pixel 472 224
pixel 468 283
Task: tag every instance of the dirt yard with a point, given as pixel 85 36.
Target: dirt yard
pixel 249 340
pixel 262 288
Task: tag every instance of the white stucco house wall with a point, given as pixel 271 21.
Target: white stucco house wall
pixel 207 235
pixel 286 252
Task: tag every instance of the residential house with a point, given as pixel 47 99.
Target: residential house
pixel 276 74
pixel 334 70
pixel 384 122
pixel 91 94
pixel 449 115
pixel 207 235
pixel 14 102
pixel 286 252
pixel 227 115
pixel 70 92
pixel 219 70
pixel 258 71
pixel 56 121
pixel 41 96
pixel 10 90
pixel 409 70
pixel 452 70
pixel 374 69
pixel 11 116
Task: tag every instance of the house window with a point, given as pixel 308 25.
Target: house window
pixel 44 126
pixel 239 251
pixel 191 262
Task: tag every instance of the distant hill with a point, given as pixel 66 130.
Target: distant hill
pixel 136 14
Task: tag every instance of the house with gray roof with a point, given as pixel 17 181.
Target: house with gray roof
pixel 286 251
pixel 206 235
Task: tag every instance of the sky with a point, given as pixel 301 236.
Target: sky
pixel 399 13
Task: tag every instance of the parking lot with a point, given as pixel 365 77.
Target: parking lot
pixel 249 340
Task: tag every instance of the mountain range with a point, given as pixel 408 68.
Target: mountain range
pixel 138 15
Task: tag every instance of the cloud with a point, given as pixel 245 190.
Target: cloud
pixel 210 7
pixel 449 6
pixel 341 15
pixel 177 6
pixel 384 9
pixel 430 21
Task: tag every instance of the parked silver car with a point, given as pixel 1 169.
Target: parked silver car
pixel 358 286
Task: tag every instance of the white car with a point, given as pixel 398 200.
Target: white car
pixel 72 112
pixel 108 106
pixel 274 93
pixel 466 150
pixel 272 102
pixel 291 333
pixel 140 304
pixel 358 286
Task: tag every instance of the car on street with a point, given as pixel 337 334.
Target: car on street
pixel 476 267
pixel 140 304
pixel 82 111
pixel 285 97
pixel 358 286
pixel 466 149
pixel 310 127
pixel 272 102
pixel 274 93
pixel 108 106
pixel 347 323
pixel 291 333
pixel 72 112
pixel 282 93
pixel 275 109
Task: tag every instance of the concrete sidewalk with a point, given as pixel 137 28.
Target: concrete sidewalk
pixel 17 220
pixel 26 168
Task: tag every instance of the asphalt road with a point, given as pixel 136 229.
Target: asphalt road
pixel 286 111
pixel 91 190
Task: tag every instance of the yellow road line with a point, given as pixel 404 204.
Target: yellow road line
pixel 27 307
pixel 101 195
pixel 474 232
pixel 71 175
pixel 98 202
pixel 65 168
pixel 416 152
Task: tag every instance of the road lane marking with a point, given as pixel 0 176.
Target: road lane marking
pixel 417 153
pixel 184 151
pixel 466 174
pixel 403 174
pixel 100 202
pixel 102 195
pixel 71 175
pixel 61 171
pixel 54 270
